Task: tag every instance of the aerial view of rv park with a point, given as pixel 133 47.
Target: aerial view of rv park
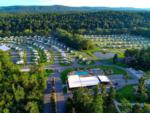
pixel 60 59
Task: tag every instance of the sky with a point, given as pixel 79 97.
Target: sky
pixel 105 3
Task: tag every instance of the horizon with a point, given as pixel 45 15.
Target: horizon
pixel 70 6
pixel 78 3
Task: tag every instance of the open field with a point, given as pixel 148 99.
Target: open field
pixel 129 93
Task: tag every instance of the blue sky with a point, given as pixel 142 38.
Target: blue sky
pixel 107 3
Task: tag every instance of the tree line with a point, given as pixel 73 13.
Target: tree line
pixel 20 92
pixel 103 22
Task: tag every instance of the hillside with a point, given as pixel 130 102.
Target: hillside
pixel 60 9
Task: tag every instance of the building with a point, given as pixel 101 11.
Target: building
pixel 4 48
pixel 76 81
pixel 104 79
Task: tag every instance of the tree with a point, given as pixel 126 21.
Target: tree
pixel 115 58
pixel 126 106
pixel 103 91
pixel 6 110
pixel 17 88
pixel 82 101
pixel 111 96
pixel 32 107
pixel 18 93
pixel 69 106
pixel 146 108
pixel 136 109
pixel 97 104
pixel 96 90
pixel 141 91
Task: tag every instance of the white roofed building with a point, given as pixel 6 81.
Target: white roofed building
pixel 89 81
pixel 104 79
pixel 76 81
pixel 4 48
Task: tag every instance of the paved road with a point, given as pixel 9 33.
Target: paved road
pixel 47 105
pixel 60 99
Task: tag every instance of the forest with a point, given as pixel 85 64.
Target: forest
pixel 20 92
pixel 103 22
pixel 138 59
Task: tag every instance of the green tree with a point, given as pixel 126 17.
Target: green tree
pixel 136 109
pixel 97 104
pixel 115 58
pixel 69 106
pixel 146 108
pixel 32 107
pixel 111 96
pixel 18 93
pixel 141 91
pixel 126 106
pixel 6 110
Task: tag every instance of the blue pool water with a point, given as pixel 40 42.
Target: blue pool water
pixel 81 73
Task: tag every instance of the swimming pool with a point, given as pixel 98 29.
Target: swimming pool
pixel 81 73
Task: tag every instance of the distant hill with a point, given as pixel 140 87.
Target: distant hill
pixel 60 9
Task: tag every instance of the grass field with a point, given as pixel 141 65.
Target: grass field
pixel 129 93
pixel 114 69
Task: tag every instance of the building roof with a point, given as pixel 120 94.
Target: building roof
pixel 4 48
pixel 75 81
pixel 89 81
pixel 103 78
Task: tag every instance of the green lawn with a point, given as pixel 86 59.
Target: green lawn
pixel 114 69
pixel 127 92
pixel 121 64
